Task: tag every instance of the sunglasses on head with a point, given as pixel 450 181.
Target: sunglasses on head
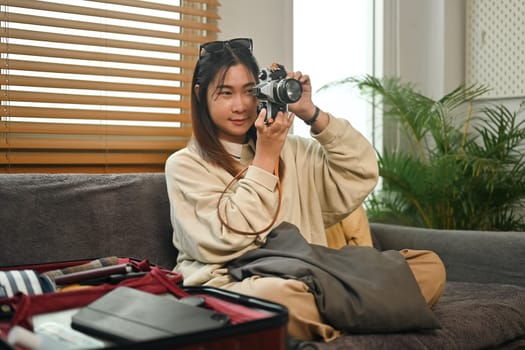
pixel 215 46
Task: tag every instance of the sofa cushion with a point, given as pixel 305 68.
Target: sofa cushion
pixel 472 316
pixel 469 255
pixel 60 217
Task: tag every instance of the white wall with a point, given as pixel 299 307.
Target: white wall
pixel 424 40
pixel 268 23
pixel 424 43
pixel 431 46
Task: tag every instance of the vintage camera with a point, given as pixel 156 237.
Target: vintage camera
pixel 275 91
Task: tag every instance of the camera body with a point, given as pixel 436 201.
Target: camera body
pixel 275 91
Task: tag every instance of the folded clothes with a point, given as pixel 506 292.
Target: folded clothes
pixel 91 274
pixel 94 264
pixel 25 281
pixel 31 282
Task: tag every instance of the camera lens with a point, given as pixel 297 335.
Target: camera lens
pixel 289 90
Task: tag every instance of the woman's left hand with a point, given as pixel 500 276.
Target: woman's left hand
pixel 304 108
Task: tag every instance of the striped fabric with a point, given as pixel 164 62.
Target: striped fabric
pixel 25 281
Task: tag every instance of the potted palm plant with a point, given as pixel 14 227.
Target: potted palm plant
pixel 462 167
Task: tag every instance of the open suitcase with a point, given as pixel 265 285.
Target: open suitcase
pixel 81 315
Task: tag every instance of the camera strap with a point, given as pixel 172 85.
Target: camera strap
pixel 237 177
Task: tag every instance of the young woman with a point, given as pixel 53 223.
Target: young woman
pixel 239 177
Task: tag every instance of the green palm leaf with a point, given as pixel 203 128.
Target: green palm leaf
pixel 464 167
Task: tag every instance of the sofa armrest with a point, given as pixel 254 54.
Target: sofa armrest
pixel 469 256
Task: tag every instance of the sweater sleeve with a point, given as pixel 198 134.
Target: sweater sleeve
pixel 342 167
pixel 324 180
pixel 194 189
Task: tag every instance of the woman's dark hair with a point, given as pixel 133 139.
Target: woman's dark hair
pixel 204 130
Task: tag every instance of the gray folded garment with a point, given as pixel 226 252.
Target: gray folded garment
pixel 357 289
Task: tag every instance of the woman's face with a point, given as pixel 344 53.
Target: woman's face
pixel 232 108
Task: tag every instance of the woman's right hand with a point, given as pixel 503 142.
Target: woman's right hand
pixel 270 139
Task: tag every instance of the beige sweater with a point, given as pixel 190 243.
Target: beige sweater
pixel 325 178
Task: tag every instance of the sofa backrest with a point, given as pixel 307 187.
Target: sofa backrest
pixel 469 255
pixel 62 217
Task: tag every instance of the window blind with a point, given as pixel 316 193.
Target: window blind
pixel 98 86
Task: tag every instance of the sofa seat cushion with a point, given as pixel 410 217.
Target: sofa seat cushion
pixel 472 316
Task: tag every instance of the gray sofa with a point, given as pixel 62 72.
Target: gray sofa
pixel 49 218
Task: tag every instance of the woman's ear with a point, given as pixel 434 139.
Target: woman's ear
pixel 196 90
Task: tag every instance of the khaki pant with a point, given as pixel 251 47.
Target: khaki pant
pixel 304 319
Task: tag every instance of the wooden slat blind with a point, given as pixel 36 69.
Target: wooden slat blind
pixel 97 86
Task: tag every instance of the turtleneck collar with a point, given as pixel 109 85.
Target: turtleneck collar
pixel 242 152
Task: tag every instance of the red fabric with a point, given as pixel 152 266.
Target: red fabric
pixel 238 313
pixel 157 281
pixel 45 267
pixel 26 306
